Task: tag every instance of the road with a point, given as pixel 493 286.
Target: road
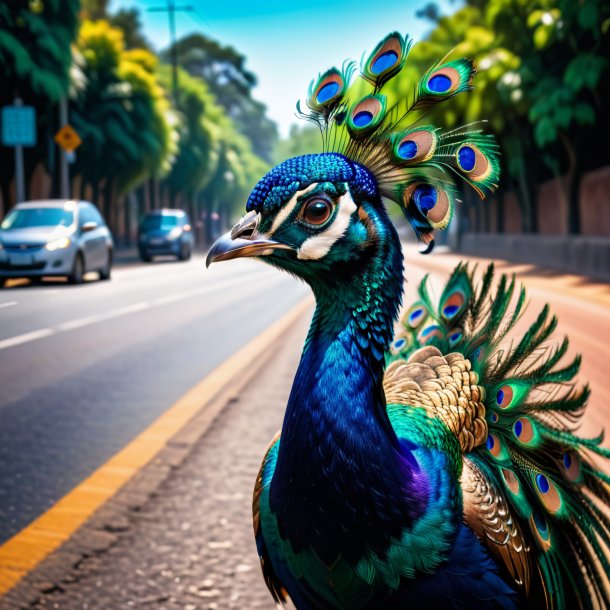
pixel 84 369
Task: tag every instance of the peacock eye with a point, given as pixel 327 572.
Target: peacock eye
pixel 317 211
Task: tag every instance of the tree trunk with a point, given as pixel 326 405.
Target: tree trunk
pixel 108 207
pixel 572 187
pixel 500 211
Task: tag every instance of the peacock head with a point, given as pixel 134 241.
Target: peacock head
pixel 311 215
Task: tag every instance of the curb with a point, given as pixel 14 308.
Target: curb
pixel 29 569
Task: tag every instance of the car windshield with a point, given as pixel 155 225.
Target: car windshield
pixel 158 221
pixel 25 218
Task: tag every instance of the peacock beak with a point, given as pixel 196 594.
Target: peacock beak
pixel 243 240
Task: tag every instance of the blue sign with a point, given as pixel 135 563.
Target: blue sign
pixel 18 126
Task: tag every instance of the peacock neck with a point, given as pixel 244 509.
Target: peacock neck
pixel 342 479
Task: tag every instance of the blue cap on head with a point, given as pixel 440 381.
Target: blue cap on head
pixel 295 174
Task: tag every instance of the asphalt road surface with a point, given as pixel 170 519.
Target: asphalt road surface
pixel 84 369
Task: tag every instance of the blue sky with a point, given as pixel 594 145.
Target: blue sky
pixel 286 43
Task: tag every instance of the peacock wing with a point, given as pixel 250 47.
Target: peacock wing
pixel 277 590
pixel 447 389
pixel 443 385
pixel 487 512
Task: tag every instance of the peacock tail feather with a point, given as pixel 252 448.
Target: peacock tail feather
pixel 414 164
pixel 531 488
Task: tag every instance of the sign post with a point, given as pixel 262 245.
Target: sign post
pixel 19 130
pixel 69 141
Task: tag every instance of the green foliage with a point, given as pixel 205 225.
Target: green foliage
pixel 121 114
pixel 35 54
pixel 128 21
pixel 301 141
pixel 224 71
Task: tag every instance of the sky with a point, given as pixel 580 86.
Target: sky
pixel 288 44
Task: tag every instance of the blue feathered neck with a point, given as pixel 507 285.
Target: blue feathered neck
pixel 342 479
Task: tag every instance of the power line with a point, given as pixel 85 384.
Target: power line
pixel 171 9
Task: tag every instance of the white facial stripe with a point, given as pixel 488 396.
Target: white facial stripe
pixel 283 214
pixel 318 246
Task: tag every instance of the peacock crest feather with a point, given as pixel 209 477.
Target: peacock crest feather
pixel 531 486
pixel 414 164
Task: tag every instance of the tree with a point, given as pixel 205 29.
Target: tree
pixel 301 141
pixel 35 55
pixel 121 115
pixel 128 21
pixel 223 69
pixel 564 79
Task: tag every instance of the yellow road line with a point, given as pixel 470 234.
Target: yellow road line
pixel 24 551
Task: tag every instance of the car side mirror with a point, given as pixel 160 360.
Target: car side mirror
pixel 89 226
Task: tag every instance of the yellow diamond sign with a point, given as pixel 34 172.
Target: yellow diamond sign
pixel 67 138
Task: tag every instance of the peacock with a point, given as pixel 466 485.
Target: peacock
pixel 435 466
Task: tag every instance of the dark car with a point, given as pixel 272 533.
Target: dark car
pixel 164 232
pixel 54 237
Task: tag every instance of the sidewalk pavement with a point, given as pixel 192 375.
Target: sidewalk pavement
pixel 190 546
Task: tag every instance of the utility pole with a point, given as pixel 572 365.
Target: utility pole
pixel 171 9
pixel 64 169
pixel 19 173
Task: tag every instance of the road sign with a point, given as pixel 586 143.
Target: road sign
pixel 18 126
pixel 67 138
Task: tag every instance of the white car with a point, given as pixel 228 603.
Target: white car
pixel 54 238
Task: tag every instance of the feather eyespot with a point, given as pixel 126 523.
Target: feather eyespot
pixel 327 92
pixel 366 115
pixel 524 430
pixel 429 333
pixel 472 161
pixel 416 314
pixel 430 201
pixel 453 305
pixel 316 211
pixel 455 337
pixel 571 466
pixel 548 493
pixel 407 149
pixel 384 62
pixel 504 397
pixel 496 447
pixel 540 527
pixel 415 146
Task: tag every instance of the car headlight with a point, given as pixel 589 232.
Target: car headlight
pixel 175 233
pixel 58 244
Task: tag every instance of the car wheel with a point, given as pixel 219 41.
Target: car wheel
pixel 78 270
pixel 146 258
pixel 3 281
pixel 106 270
pixel 185 252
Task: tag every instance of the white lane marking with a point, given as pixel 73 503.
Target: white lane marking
pixel 19 339
pixel 116 313
pixel 9 304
